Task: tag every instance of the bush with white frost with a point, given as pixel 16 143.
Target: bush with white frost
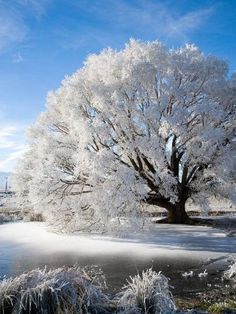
pixel 73 290
pixel 4 218
pixel 231 272
pixel 148 293
pixel 62 290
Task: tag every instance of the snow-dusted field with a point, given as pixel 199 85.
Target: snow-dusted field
pixel 163 239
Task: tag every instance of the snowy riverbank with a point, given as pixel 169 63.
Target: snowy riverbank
pixel 192 257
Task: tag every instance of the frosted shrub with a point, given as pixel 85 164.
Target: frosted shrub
pixel 231 272
pixel 148 293
pixel 4 218
pixel 73 290
pixel 63 290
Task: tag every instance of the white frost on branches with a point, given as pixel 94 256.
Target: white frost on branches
pixel 144 124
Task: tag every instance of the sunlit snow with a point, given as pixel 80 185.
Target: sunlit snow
pixel 163 240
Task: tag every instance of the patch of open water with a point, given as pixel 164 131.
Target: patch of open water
pixel 25 246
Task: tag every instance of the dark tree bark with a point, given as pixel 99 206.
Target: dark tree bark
pixel 176 213
pixel 145 168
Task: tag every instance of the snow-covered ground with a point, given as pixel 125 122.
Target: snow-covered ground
pixel 163 239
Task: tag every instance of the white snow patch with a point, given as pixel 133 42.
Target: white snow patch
pixel 163 240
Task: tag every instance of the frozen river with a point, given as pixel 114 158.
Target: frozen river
pixel 170 249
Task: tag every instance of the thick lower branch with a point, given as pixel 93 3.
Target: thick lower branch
pixel 158 201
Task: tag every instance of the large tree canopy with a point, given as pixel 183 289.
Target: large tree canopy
pixel 146 124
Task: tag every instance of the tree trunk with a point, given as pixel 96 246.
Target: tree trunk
pixel 177 214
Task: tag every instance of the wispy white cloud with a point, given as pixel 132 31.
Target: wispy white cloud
pixel 38 7
pixel 17 58
pixel 8 164
pixel 143 17
pixel 6 134
pixel 188 22
pixel 12 27
pixel 12 145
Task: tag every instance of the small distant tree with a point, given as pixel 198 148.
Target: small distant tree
pixel 145 125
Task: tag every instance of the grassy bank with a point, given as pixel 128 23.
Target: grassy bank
pixel 74 290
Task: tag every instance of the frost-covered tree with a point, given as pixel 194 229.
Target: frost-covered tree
pixel 145 125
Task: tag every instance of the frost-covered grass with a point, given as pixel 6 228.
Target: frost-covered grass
pixel 62 290
pixel 231 272
pixel 10 217
pixel 147 293
pixel 9 211
pixel 4 218
pixel 74 290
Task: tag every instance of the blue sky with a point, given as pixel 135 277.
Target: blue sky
pixel 41 41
